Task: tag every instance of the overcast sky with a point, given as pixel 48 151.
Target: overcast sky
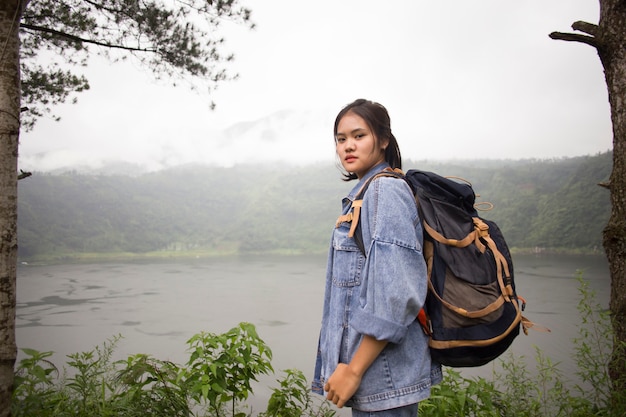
pixel 460 78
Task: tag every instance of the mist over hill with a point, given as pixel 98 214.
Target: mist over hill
pixel 551 204
pixel 296 137
pixel 293 136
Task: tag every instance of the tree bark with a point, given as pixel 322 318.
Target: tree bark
pixel 10 15
pixel 612 51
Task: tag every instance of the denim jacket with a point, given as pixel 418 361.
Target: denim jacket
pixel 378 295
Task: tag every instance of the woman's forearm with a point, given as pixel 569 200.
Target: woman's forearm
pixel 346 378
pixel 367 352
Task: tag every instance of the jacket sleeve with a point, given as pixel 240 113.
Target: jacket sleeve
pixel 394 284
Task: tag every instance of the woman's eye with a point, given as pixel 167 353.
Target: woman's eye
pixel 341 140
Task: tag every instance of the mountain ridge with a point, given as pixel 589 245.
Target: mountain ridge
pixel 268 208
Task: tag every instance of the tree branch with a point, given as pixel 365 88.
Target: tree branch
pixel 588 28
pixel 574 37
pixel 82 40
pixel 24 174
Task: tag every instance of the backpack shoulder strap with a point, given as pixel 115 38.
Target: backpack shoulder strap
pixel 354 212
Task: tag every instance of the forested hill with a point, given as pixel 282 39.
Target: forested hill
pixel 538 203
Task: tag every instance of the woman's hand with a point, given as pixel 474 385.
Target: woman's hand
pixel 346 379
pixel 342 384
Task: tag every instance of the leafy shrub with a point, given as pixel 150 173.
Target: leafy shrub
pixel 293 399
pixel 221 367
pixel 459 396
pixel 214 382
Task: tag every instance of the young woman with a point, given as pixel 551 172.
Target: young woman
pixel 373 355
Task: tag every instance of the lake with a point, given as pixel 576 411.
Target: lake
pixel 158 305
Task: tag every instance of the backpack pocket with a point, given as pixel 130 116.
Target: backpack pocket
pixel 466 304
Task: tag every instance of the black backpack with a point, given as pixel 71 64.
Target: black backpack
pixel 472 312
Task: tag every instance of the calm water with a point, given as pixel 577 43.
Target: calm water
pixel 158 306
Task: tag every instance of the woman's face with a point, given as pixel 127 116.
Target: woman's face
pixel 357 146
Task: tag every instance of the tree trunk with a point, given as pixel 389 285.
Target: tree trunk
pixel 10 15
pixel 612 51
pixel 609 39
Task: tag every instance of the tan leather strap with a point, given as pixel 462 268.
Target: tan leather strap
pixel 351 217
pixel 502 266
pixel 466 241
pixel 527 324
pixel 356 209
pixel 343 218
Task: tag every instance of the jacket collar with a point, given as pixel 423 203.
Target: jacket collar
pixel 375 170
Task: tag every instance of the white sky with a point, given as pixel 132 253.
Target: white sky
pixel 460 78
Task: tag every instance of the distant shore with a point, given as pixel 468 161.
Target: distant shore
pixel 98 257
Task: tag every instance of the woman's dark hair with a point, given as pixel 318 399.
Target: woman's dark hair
pixel 377 119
